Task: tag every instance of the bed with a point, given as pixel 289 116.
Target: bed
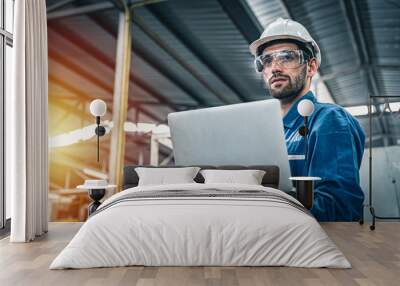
pixel 198 224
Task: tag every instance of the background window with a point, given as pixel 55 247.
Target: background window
pixel 6 65
pixel 9 63
pixel 9 15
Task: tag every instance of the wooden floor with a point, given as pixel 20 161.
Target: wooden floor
pixel 375 257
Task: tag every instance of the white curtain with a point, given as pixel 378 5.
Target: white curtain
pixel 26 123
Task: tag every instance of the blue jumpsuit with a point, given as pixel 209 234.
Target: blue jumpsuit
pixel 336 145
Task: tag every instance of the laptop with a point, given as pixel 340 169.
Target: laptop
pixel 239 134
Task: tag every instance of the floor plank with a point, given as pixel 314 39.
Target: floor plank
pixel 374 255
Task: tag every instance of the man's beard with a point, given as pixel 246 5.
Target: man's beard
pixel 291 90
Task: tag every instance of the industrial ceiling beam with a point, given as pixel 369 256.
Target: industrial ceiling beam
pixel 134 138
pixel 188 90
pixel 139 4
pixel 58 4
pixel 73 89
pixel 98 55
pixel 58 57
pixel 69 109
pixel 80 10
pixel 134 4
pixel 351 13
pixel 349 27
pixel 202 55
pixel 242 17
pixel 82 44
pixel 359 68
pixel 120 97
pixel 105 25
pixel 177 57
pixel 120 5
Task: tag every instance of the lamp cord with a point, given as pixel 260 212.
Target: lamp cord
pixel 98 144
pixel 305 146
pixel 98 136
pixel 98 147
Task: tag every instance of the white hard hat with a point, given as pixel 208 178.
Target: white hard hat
pixel 283 29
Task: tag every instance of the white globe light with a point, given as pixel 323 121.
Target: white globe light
pixel 305 107
pixel 98 107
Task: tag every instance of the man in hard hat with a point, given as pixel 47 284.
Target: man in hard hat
pixel 288 58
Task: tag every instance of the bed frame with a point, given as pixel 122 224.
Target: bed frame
pixel 270 179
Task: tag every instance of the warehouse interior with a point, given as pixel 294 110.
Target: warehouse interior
pixel 188 55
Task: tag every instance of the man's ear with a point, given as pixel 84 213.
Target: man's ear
pixel 312 67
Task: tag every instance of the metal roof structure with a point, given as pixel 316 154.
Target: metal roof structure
pixel 193 54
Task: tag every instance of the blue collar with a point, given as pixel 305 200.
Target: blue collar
pixel 292 115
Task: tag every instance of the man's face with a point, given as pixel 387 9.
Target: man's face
pixel 283 83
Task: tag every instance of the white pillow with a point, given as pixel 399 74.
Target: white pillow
pixel 162 176
pixel 248 177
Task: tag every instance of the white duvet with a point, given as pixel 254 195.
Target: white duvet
pixel 200 231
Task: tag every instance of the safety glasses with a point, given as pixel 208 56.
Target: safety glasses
pixel 289 59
